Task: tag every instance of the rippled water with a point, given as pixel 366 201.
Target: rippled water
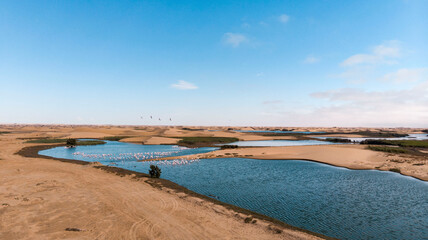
pixel 279 143
pixel 337 202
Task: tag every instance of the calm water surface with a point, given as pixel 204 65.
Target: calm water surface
pixel 337 202
pixel 279 143
pixel 414 136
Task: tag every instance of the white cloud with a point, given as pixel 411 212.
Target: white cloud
pixel 406 75
pixel 357 107
pixel 183 85
pixel 356 74
pixel 311 59
pixel 385 53
pixel 234 39
pixel 283 18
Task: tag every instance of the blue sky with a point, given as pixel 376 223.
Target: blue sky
pixel 260 63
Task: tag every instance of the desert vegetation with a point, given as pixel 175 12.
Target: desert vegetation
pixel 205 141
pixel 388 149
pixel 66 141
pixel 229 147
pixel 71 142
pixel 400 143
pixel 338 140
pixel 115 138
pixel 154 171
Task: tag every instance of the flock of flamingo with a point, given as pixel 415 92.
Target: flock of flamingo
pixel 124 157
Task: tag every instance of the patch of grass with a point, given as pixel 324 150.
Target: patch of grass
pixel 48 140
pixel 400 143
pixel 4 132
pixel 388 149
pixel 397 170
pixel 205 141
pixel 382 134
pixel 90 143
pixel 412 143
pixel 64 140
pixel 115 138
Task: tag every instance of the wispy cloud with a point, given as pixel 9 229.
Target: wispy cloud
pixel 408 107
pixel 183 85
pixel 356 74
pixel 234 39
pixel 311 59
pixel 283 18
pixel 269 102
pixel 406 75
pixel 384 53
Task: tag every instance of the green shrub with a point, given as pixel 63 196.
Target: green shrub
pixel 48 140
pixel 401 143
pixel 397 170
pixel 155 171
pixel 71 142
pixel 89 143
pixel 206 140
pixel 388 149
pixel 115 138
pixel 338 140
pixel 229 146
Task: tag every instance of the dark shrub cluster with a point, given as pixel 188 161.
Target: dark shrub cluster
pixel 229 146
pixel 339 140
pixel 388 149
pixel 155 171
pixel 71 142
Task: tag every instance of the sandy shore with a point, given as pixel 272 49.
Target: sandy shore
pixel 41 198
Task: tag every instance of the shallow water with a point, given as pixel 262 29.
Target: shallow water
pixel 414 136
pixel 115 152
pixel 337 202
pixel 279 143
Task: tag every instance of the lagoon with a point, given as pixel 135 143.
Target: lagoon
pixel 337 202
pixel 279 143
